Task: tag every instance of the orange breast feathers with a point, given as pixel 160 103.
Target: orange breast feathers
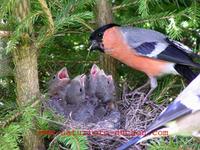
pixel 116 47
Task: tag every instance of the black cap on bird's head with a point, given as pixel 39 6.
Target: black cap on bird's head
pixel 97 36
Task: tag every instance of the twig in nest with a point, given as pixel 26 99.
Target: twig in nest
pixel 138 115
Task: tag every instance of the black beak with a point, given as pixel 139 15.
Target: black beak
pixel 93 45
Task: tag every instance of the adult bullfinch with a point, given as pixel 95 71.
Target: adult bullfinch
pixel 145 50
pixel 181 117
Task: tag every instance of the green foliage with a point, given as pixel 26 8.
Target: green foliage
pixel 7 8
pixel 168 16
pixel 65 14
pixel 11 135
pixel 167 89
pixel 143 8
pixel 74 140
pixel 174 144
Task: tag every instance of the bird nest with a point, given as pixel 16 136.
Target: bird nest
pixel 135 116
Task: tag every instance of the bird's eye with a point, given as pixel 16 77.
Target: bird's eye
pixel 100 35
pixel 54 77
pixel 81 90
pixel 108 82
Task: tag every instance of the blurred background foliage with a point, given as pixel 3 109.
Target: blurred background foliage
pixel 65 42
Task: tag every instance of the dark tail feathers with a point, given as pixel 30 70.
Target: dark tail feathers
pixel 195 65
pixel 186 72
pixel 194 55
pixel 131 142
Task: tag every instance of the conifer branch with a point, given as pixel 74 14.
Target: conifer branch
pixel 49 15
pixel 16 115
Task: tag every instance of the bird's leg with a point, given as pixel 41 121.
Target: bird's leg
pixel 143 86
pixel 154 84
pixel 140 88
pixel 137 91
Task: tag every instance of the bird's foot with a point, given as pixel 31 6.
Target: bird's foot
pixel 147 96
pixel 143 86
pixel 145 99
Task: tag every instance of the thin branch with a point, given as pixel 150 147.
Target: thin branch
pixel 84 23
pixel 4 33
pixel 12 118
pixel 150 20
pixel 55 138
pixel 49 15
pixel 52 121
pixel 72 61
pixel 123 6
